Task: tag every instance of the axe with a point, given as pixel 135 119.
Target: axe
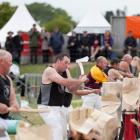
pixel 80 64
pixel 80 61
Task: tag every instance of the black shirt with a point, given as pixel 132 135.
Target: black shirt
pixel 4 93
pixel 54 94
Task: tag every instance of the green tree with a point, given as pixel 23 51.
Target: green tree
pixel 47 15
pixel 6 11
pixel 43 13
pixel 63 25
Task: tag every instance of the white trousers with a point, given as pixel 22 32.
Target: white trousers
pixel 57 119
pixel 92 100
pixel 4 126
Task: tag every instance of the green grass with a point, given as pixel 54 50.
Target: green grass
pixel 75 71
pixel 38 68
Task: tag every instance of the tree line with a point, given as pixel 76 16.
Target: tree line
pixel 45 14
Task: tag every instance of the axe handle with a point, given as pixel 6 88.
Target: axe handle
pixel 30 110
pixel 81 68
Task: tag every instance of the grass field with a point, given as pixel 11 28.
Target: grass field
pixel 38 68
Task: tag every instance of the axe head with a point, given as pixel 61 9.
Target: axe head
pixel 84 59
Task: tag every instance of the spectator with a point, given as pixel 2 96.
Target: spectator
pixel 9 44
pixel 34 44
pixel 18 46
pixel 106 49
pixel 45 36
pixel 84 44
pixel 73 47
pixel 130 44
pixel 56 42
pixel 95 47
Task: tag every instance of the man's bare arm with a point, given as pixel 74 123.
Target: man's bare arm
pixel 13 102
pixel 54 76
pixel 87 91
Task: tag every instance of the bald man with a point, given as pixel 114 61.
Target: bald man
pixel 7 92
pixel 124 69
pixel 96 77
pixel 128 58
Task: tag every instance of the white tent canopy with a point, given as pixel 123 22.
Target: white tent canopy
pixel 93 22
pixel 20 21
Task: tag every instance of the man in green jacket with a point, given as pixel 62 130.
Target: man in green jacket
pixel 34 44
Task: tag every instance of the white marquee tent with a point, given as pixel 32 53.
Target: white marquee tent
pixel 93 22
pixel 20 21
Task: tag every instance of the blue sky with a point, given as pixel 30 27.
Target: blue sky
pixel 78 8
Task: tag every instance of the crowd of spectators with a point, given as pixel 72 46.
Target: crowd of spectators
pixel 92 45
pixel 53 43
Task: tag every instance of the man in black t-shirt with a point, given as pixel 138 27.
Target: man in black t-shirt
pixel 56 79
